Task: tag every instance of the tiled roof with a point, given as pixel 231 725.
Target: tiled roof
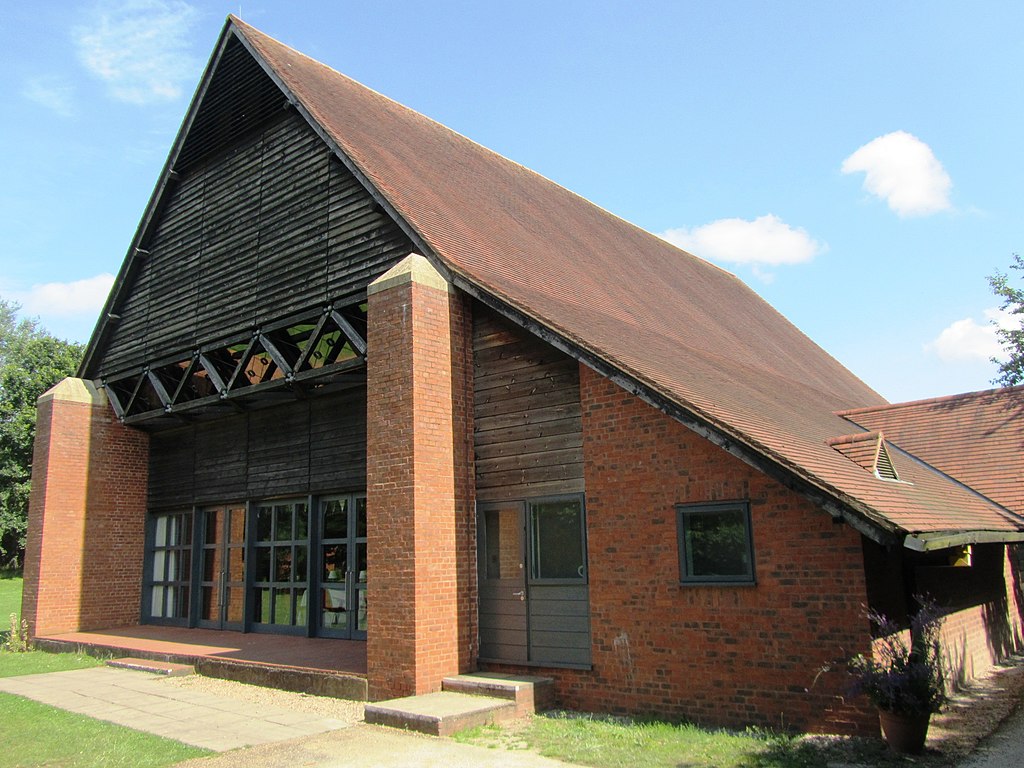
pixel 978 438
pixel 683 330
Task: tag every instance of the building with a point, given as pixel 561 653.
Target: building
pixel 360 377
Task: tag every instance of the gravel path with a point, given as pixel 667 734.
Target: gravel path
pixel 322 706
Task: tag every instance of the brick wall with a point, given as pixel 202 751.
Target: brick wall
pixel 984 624
pixel 419 507
pixel 983 603
pixel 461 322
pixel 717 655
pixel 83 562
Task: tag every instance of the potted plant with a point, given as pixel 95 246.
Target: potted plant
pixel 904 676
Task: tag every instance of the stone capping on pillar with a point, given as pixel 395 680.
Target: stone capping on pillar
pixel 414 268
pixel 74 391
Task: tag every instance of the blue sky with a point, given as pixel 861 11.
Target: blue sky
pixel 857 164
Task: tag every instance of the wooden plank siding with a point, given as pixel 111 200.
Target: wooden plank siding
pixel 528 434
pixel 528 444
pixel 270 226
pixel 309 446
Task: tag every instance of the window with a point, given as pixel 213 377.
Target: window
pixel 170 566
pixel 557 533
pixel 715 543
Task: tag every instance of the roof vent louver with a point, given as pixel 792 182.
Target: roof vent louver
pixel 868 451
pixel 884 468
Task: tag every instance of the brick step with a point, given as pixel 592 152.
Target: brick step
pixel 529 693
pixel 440 714
pixel 168 668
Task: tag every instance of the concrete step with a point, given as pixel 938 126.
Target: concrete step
pixel 530 693
pixel 156 667
pixel 440 714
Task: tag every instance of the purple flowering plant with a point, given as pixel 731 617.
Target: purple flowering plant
pixel 904 676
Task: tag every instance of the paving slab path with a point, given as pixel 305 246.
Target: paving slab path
pixel 145 702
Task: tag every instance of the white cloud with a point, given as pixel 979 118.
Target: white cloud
pixel 79 297
pixel 967 339
pixel 52 93
pixel 902 170
pixel 140 48
pixel 767 240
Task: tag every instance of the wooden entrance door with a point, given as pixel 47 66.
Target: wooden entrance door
pixel 504 631
pixel 222 568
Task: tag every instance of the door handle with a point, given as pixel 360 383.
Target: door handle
pixel 521 594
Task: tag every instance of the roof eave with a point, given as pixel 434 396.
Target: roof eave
pixel 929 542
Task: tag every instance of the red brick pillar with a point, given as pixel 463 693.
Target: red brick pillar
pixel 416 469
pixel 86 520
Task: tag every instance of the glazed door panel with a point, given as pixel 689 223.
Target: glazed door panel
pixel 222 568
pixel 342 542
pixel 504 629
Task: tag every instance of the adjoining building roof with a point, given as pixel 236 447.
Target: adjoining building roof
pixel 683 334
pixel 977 437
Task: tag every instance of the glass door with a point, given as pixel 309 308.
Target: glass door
pixel 222 571
pixel 343 567
pixel 280 582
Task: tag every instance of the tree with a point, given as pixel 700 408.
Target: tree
pixel 1011 370
pixel 31 361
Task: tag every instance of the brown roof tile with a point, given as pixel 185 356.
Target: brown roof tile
pixel 678 326
pixel 977 437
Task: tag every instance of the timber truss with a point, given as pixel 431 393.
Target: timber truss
pixel 294 357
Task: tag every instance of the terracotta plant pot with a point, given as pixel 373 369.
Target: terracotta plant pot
pixel 904 733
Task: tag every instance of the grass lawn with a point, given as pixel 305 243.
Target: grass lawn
pixel 35 662
pixel 10 597
pixel 613 742
pixel 38 735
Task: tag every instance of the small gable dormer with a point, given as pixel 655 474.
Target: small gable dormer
pixel 868 450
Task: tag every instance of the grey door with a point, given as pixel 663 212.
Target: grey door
pixel 534 594
pixel 502 560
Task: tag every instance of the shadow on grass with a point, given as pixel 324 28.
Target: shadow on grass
pixel 826 751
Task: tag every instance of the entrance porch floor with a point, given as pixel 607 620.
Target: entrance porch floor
pixel 311 664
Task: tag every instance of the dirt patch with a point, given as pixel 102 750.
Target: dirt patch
pixel 977 711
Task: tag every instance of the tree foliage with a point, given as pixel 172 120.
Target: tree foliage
pixel 31 361
pixel 1011 370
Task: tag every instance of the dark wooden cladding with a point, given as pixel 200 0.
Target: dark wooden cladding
pixel 240 98
pixel 528 433
pixel 271 226
pixel 309 446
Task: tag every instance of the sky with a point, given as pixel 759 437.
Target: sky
pixel 858 164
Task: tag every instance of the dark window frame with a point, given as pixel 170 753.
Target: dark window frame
pixel 685 577
pixel 532 545
pixel 181 552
